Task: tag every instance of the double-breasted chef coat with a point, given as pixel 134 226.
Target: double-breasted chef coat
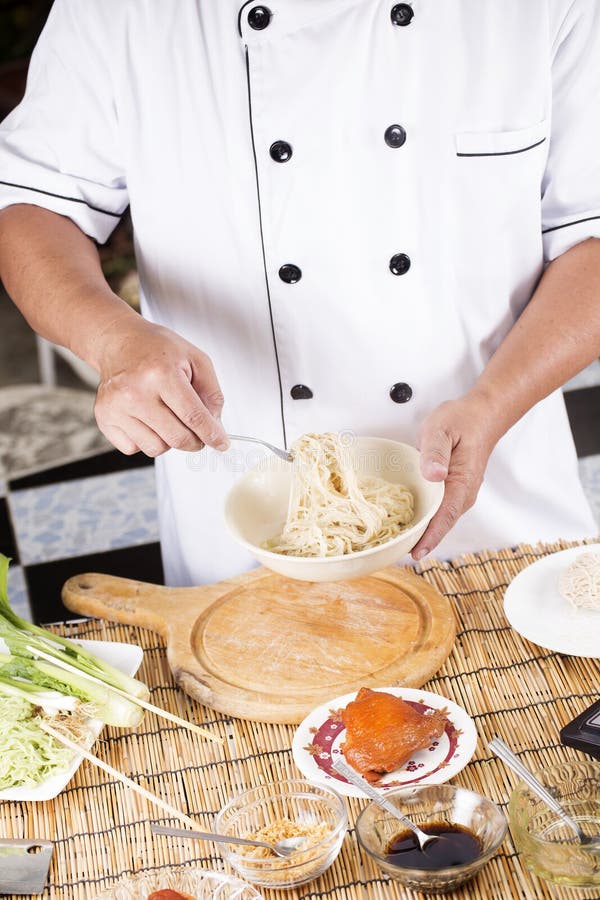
pixel 345 203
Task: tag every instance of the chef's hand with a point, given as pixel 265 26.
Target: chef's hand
pixel 156 391
pixel 456 442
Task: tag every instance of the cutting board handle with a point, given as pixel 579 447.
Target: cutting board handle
pixel 130 602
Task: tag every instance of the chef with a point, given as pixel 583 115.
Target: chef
pixel 355 215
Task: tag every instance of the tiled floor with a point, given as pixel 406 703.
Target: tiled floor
pixel 93 514
pixel 69 504
pixel 86 515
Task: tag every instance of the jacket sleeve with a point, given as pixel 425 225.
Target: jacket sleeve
pixel 60 147
pixel 571 185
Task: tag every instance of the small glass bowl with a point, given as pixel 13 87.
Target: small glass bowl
pixel 426 804
pixel 548 846
pixel 201 883
pixel 298 801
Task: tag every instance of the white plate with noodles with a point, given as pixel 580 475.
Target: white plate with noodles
pixel 347 506
pixel 535 607
pixel 125 657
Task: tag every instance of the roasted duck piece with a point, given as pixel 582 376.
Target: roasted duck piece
pixel 383 731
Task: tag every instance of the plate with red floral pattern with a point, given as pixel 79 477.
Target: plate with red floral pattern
pixel 318 740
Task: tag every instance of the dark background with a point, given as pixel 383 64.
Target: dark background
pixel 20 27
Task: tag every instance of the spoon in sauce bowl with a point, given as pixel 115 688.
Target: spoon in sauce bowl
pixel 352 776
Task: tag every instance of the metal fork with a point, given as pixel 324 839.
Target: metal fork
pixel 278 451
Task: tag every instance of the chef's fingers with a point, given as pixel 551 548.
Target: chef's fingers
pixel 455 502
pixel 170 429
pixel 183 398
pixel 436 450
pixel 119 439
pixel 465 474
pixel 206 384
pixel 147 440
pixel 455 446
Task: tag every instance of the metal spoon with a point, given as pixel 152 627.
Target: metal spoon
pixel 351 775
pixel 507 756
pixel 284 848
pixel 278 451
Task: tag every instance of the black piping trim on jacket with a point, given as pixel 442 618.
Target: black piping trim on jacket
pixel 262 242
pixel 506 152
pixel 242 7
pixel 568 224
pixel 26 187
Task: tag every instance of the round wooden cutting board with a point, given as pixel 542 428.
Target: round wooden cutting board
pixel 263 647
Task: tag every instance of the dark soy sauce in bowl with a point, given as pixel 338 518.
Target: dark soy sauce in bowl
pixel 457 846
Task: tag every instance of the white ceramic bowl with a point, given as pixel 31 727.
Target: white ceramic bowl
pixel 256 510
pixel 201 883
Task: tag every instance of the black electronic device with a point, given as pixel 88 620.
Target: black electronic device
pixel 583 732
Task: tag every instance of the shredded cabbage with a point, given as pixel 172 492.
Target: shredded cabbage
pixel 27 754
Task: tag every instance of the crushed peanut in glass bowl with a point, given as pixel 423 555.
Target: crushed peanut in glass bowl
pixel 272 812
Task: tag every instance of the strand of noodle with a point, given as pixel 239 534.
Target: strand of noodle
pixel 580 583
pixel 331 511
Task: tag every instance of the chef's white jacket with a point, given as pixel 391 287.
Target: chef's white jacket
pixel 345 203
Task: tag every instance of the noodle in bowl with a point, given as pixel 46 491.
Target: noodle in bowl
pixel 261 506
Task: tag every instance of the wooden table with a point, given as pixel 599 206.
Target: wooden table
pixel 510 687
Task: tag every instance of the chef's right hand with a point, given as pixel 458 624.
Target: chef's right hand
pixel 156 391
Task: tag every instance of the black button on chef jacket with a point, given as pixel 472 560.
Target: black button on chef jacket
pixel 280 151
pixel 290 273
pixel 401 392
pixel 402 14
pixel 301 392
pixel 259 17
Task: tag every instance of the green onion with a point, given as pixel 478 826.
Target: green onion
pixel 19 634
pixel 44 660
pixel 51 701
pixel 110 707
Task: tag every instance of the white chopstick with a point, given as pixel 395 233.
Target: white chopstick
pixel 148 795
pixel 143 703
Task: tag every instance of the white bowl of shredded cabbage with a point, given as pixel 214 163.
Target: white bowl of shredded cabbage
pixel 344 508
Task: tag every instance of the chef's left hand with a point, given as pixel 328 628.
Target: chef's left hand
pixel 456 441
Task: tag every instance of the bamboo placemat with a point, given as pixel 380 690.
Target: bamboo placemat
pixel 510 687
